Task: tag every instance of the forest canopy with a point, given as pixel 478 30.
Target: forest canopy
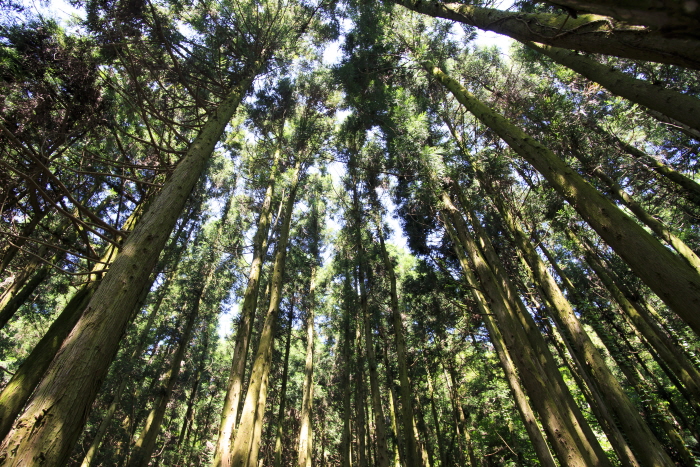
pixel 350 233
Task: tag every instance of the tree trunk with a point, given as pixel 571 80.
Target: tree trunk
pixel 146 443
pixel 680 107
pixel 229 413
pixel 346 439
pixel 55 416
pixel 649 449
pixel 545 388
pixel 283 389
pixel 245 444
pixel 587 33
pixel 521 400
pixel 673 280
pixel 305 451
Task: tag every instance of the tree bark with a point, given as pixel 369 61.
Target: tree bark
pixel 587 33
pixel 55 415
pixel 246 443
pixel 283 390
pixel 673 280
pixel 229 413
pixel 305 451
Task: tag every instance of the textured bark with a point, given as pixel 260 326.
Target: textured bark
pixel 680 107
pixel 649 449
pixel 570 445
pixel 229 413
pixel 306 450
pixel 29 374
pixel 283 390
pixel 668 275
pixel 54 417
pixel 521 400
pixel 146 443
pixel 246 442
pixel 587 33
pixel 669 17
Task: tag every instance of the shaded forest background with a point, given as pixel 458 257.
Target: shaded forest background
pixel 168 166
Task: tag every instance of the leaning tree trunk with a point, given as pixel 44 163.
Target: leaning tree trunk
pixel 673 280
pixel 509 368
pixel 673 104
pixel 56 414
pixel 546 392
pixel 586 33
pixel 146 442
pixel 648 448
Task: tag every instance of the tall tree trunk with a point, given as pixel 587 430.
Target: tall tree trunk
pixel 54 417
pixel 669 354
pixel 360 398
pixel 382 458
pixel 245 444
pixel 346 438
pixel 649 449
pixel 673 280
pixel 587 33
pixel 283 389
pixel 29 374
pixel 680 107
pixel 229 413
pixel 509 368
pixel 305 451
pixel 546 390
pixel 146 443
pixel 406 399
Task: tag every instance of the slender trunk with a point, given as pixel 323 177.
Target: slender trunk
pixel 246 443
pixel 680 107
pixel 673 280
pixel 641 438
pixel 382 458
pixel 436 419
pixel 146 442
pixel 461 419
pixel 412 452
pixel 283 390
pixel 229 413
pixel 655 225
pixel 305 451
pixel 545 393
pixel 57 412
pixel 586 32
pixel 584 434
pixel 360 399
pixel 668 353
pixel 521 400
pixel 346 439
pixel 690 186
pixel 11 248
pixel 392 408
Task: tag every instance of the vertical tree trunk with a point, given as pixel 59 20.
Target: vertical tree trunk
pixel 229 413
pixel 305 451
pixel 283 389
pixel 246 444
pixel 346 439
